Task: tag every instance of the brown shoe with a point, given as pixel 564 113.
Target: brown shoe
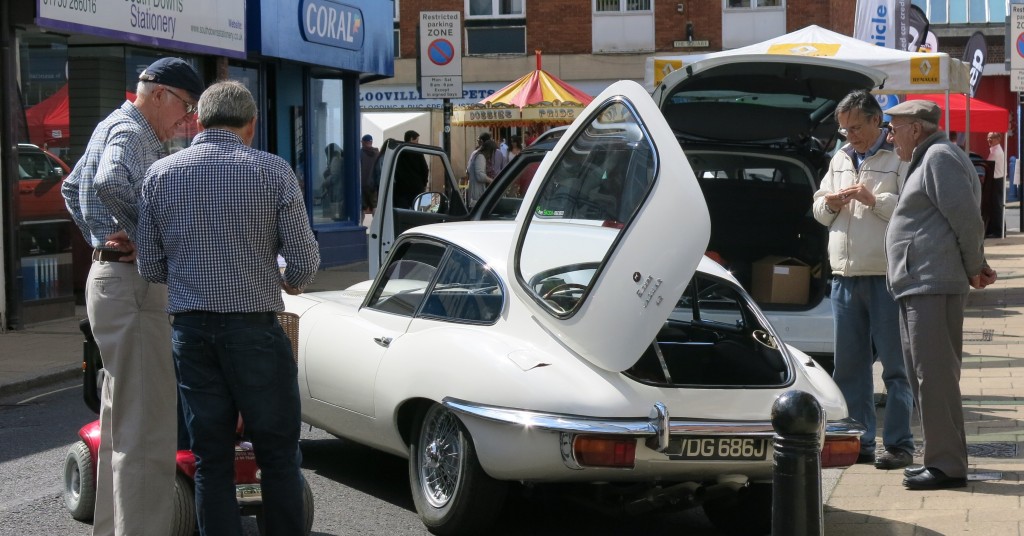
pixel 893 458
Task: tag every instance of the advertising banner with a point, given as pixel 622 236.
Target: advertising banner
pixel 192 25
pixel 917 26
pixel 974 55
pixel 883 23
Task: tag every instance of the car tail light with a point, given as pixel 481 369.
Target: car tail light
pixel 598 451
pixel 840 452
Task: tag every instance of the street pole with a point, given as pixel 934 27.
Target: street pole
pixel 446 137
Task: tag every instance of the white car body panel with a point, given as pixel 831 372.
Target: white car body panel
pixel 648 264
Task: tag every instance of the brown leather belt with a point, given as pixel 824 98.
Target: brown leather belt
pixel 109 255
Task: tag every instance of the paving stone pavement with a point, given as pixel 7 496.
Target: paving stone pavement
pixel 868 501
pixel 860 500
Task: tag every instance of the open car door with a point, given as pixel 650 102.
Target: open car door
pixel 611 229
pixel 417 187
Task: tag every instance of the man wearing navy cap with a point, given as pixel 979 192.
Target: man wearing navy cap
pixel 138 417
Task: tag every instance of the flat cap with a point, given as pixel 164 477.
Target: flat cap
pixel 174 72
pixel 924 110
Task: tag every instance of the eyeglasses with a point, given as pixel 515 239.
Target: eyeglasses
pixel 189 107
pixel 893 127
pixel 844 132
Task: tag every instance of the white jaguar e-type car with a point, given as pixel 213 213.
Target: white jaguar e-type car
pixel 581 343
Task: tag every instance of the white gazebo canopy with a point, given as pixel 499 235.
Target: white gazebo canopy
pixel 906 72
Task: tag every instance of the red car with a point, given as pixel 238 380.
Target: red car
pixel 80 464
pixel 40 175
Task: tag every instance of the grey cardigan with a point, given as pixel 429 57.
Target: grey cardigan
pixel 936 239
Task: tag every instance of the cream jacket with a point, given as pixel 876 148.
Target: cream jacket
pixel 856 238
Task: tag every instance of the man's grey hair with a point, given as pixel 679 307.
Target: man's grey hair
pixel 226 104
pixel 860 100
pixel 144 88
pixel 928 127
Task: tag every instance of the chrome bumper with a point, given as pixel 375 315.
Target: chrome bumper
pixel 658 426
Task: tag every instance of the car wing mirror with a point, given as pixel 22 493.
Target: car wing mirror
pixel 56 173
pixel 431 202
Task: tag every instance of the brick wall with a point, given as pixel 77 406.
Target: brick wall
pixel 564 26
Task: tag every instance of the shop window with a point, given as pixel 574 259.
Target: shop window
pixel 249 76
pixel 333 195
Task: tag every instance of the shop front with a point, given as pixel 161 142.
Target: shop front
pixel 317 54
pixel 66 66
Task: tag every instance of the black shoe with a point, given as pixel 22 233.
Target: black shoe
pixel 913 470
pixel 893 458
pixel 866 457
pixel 932 478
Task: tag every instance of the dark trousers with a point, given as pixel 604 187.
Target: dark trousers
pixel 231 363
pixel 932 330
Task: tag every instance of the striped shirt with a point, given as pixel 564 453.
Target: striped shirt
pixel 212 220
pixel 102 191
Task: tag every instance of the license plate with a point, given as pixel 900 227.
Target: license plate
pixel 717 448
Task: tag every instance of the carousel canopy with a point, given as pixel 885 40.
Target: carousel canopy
pixel 537 97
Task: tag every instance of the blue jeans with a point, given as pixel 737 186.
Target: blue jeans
pixel 866 313
pixel 231 363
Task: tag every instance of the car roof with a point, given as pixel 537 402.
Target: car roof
pixel 491 241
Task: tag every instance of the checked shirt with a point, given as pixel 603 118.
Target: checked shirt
pixel 102 191
pixel 212 220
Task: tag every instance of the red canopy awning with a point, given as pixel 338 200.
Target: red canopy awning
pixel 48 121
pixel 985 117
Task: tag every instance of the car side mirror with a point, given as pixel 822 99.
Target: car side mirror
pixel 432 202
pixel 56 173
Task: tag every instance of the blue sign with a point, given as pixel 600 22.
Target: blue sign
pixel 357 36
pixel 331 23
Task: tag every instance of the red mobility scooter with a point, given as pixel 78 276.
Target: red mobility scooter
pixel 80 462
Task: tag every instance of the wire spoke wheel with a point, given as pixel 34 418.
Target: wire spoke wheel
pixel 451 491
pixel 442 454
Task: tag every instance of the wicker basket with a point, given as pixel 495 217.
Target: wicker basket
pixel 290 323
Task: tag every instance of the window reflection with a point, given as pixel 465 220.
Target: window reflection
pixel 592 191
pixel 330 191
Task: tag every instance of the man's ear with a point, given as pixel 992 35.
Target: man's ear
pixel 250 131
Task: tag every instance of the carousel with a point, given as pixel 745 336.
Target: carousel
pixel 532 104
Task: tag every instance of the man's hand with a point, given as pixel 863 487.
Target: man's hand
pixel 985 278
pixel 119 241
pixel 290 289
pixel 858 192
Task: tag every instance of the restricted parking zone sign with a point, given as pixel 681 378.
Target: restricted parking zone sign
pixel 440 54
pixel 1016 31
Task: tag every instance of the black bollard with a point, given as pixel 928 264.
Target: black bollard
pixel 798 421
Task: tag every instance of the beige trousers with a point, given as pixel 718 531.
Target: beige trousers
pixel 138 412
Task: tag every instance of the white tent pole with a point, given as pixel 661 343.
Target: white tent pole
pixel 967 122
pixel 949 126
